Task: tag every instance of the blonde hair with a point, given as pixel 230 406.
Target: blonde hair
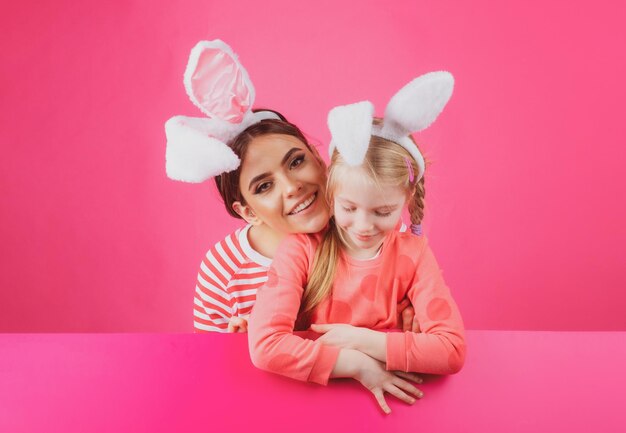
pixel 385 163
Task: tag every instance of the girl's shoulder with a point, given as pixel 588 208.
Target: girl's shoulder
pixel 306 242
pixel 410 244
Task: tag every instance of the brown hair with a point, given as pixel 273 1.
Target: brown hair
pixel 228 183
pixel 386 164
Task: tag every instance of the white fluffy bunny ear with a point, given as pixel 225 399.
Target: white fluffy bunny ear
pixel 192 155
pixel 418 104
pixel 217 83
pixel 351 128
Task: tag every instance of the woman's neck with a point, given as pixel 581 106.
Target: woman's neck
pixel 264 240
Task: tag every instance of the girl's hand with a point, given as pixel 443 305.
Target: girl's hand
pixel 238 324
pixel 373 376
pixel 340 335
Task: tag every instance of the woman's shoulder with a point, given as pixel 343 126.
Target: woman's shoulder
pixel 236 248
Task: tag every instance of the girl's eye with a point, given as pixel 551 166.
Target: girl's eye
pixel 262 187
pixel 383 214
pixel 348 209
pixel 297 161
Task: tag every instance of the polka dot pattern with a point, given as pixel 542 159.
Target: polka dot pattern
pixel 405 268
pixel 279 320
pixel 272 278
pixel 368 287
pixel 341 312
pixel 283 362
pixel 454 361
pixel 438 309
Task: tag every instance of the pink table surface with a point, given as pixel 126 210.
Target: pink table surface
pixel 512 382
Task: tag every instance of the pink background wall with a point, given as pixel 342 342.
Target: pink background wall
pixel 525 196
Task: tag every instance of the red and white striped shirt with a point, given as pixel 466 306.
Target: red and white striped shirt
pixel 228 279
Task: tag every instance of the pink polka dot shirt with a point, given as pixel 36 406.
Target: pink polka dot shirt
pixel 365 293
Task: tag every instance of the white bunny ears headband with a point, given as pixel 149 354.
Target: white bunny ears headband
pixel 412 109
pixel 220 87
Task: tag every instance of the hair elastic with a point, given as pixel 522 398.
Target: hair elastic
pixel 409 166
pixel 416 229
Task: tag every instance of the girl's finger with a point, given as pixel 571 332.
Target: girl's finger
pixel 399 394
pixel 409 376
pixel 380 398
pixel 407 387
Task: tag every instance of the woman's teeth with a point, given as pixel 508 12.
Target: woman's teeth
pixel 302 206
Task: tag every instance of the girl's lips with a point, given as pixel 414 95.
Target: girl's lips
pixel 364 237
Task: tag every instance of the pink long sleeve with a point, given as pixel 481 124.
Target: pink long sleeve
pixel 440 346
pixel 272 343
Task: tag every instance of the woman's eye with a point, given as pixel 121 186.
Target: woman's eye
pixel 296 161
pixel 262 187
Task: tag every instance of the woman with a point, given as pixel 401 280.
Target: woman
pixel 266 172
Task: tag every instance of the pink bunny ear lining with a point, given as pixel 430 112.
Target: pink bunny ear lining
pixel 217 83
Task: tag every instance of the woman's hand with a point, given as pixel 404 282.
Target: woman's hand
pixel 373 376
pixel 238 324
pixel 406 316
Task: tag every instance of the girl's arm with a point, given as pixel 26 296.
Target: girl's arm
pixel 272 342
pixel 438 348
pixel 373 376
pixel 274 346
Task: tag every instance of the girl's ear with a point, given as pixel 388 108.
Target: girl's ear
pixel 246 212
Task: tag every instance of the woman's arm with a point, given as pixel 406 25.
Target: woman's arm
pixel 212 301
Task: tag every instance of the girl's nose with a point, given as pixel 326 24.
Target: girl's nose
pixel 362 223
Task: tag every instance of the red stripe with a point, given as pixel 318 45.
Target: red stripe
pixel 245 311
pixel 213 316
pixel 230 254
pixel 247 298
pixel 221 260
pixel 209 323
pixel 206 291
pixel 234 238
pixel 259 274
pixel 215 272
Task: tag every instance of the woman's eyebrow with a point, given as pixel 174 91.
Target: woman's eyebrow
pixel 257 178
pixel 288 154
pixel 266 174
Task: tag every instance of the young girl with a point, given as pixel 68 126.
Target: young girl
pixel 347 282
pixel 266 172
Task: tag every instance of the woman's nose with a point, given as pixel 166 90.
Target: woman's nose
pixel 291 186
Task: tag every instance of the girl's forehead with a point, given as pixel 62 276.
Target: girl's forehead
pixel 357 188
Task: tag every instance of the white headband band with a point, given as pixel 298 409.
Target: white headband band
pixel 219 86
pixel 412 109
